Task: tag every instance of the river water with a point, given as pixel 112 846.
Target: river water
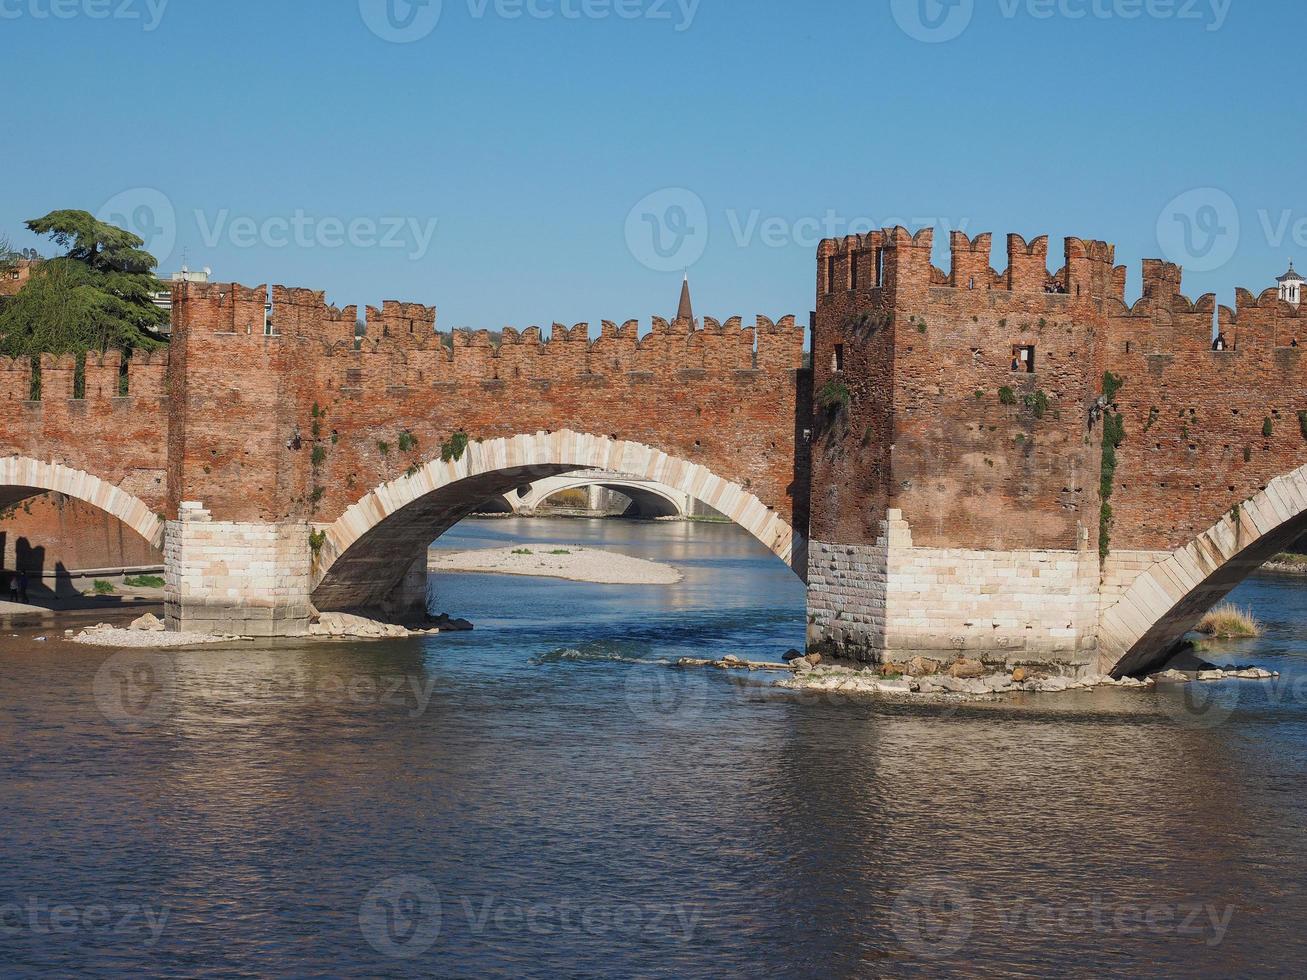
pixel 540 798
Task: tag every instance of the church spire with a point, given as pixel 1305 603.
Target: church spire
pixel 686 311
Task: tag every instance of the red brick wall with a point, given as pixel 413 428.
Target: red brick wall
pixel 1194 417
pixel 729 397
pixel 119 439
pixel 926 357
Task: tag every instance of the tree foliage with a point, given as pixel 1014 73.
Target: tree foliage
pixel 94 297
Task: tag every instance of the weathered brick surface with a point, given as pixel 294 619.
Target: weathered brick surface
pixel 926 357
pixel 120 439
pixel 725 396
pixel 979 478
pixel 1195 417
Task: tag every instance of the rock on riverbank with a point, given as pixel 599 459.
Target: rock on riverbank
pixel 107 635
pixel 345 626
pixel 970 679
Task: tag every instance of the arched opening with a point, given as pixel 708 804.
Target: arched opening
pixel 494 506
pixel 373 552
pixel 613 499
pixel 57 523
pixel 1165 602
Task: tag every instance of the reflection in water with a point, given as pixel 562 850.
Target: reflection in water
pixel 577 812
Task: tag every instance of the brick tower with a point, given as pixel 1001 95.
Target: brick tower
pixel 956 450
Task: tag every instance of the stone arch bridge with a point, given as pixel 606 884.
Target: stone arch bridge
pixel 1017 465
pixel 645 497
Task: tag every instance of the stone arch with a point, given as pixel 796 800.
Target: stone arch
pixel 651 498
pixel 1166 600
pixel 21 477
pixel 367 552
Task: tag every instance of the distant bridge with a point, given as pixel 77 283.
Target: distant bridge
pixel 643 497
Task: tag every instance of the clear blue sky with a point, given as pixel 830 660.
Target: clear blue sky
pixel 530 139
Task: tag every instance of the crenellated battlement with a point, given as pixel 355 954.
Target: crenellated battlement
pixel 403 348
pixel 899 260
pixel 889 270
pixel 106 376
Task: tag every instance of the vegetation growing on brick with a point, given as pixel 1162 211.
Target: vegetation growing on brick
pixel 316 540
pixel 834 396
pixel 452 449
pixel 1268 427
pixel 1153 415
pixel 1113 436
pixel 407 442
pixel 1007 396
pixel 1037 403
pixel 1302 424
pixel 319 456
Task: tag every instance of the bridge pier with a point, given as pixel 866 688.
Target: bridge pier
pixel 240 578
pixel 891 601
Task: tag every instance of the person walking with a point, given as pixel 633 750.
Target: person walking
pixel 22 587
pixel 13 586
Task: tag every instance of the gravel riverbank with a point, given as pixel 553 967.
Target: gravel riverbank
pixel 571 563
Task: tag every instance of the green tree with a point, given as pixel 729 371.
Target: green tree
pixel 94 297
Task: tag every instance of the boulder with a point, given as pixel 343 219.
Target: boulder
pixel 791 655
pixel 149 623
pixel 922 667
pixel 1018 675
pixel 445 623
pixel 814 659
pixel 1172 675
pixel 899 686
pixel 963 685
pixel 966 669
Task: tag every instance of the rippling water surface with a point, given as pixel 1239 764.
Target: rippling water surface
pixel 535 799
